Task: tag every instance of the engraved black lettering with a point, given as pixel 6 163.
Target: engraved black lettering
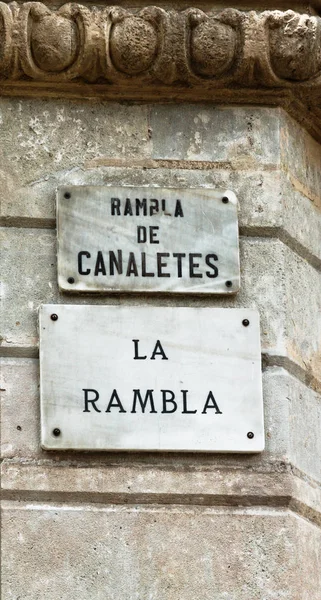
pixel 100 265
pixel 178 209
pixel 136 356
pixel 82 271
pixel 193 265
pixel 131 267
pixel 141 234
pixel 88 400
pixel 154 207
pixel 208 259
pixel 115 262
pixel 211 403
pixel 179 256
pixel 128 208
pixel 158 350
pixel 143 403
pixel 152 234
pixel 185 411
pixel 115 206
pixel 169 400
pixel 161 264
pixel 141 204
pixel 115 402
pixel 144 268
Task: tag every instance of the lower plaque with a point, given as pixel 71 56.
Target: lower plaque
pixel 150 378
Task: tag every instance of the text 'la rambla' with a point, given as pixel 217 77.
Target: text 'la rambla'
pixel 145 401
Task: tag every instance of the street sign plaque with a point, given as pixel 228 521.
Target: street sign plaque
pixel 150 378
pixel 122 239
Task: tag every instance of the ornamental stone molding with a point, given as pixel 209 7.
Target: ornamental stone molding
pixel 271 57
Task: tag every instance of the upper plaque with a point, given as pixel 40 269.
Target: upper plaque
pixel 125 239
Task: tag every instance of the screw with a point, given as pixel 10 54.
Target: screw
pixel 56 432
pixel 245 322
pixel 71 280
pixel 54 317
pixel 67 195
pixel 225 200
pixel 250 435
pixel 228 283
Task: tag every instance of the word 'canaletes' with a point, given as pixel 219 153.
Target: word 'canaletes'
pixel 160 264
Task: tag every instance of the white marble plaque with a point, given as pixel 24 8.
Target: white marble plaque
pixel 126 239
pixel 150 378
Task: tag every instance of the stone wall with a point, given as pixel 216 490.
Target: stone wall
pixel 259 52
pixel 156 525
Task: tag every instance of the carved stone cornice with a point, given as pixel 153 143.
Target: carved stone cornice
pixel 271 57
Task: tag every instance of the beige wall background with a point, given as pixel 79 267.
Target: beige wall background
pixel 148 526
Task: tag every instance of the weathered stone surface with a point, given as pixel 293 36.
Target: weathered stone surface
pixel 301 220
pixel 279 283
pixel 292 418
pixel 35 156
pixel 190 481
pixel 32 253
pixel 53 41
pixel 237 55
pixel 228 526
pixel 305 425
pixel 29 276
pixel 274 280
pixel 213 46
pixel 220 44
pixel 133 44
pixel 222 55
pixel 295 46
pixel 243 137
pixel 292 421
pixel 301 158
pixel 185 480
pixel 20 408
pixel 303 314
pixel 259 193
pixel 166 552
pixel 268 202
pixel 46 143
